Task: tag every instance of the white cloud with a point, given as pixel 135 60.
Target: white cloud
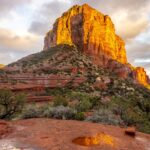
pixel 13 46
pixel 46 15
pixel 127 27
pixel 13 41
pixel 142 60
pixel 139 53
pixel 6 6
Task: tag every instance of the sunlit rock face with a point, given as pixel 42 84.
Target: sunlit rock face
pixel 94 34
pixel 90 31
pixel 141 76
pixel 2 66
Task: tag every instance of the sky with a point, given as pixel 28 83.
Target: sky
pixel 24 23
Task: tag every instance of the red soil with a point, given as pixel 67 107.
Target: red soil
pixel 5 129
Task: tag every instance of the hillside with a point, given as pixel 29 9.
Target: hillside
pixel 93 33
pixel 65 71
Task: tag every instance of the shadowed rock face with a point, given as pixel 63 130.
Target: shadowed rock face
pixel 91 31
pixel 94 34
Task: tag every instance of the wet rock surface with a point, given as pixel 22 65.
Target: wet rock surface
pixel 47 134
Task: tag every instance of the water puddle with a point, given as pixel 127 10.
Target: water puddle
pixel 144 142
pixel 98 139
pixel 10 144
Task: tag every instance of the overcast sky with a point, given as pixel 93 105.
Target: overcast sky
pixel 23 24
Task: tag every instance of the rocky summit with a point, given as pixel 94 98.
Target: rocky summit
pixel 93 33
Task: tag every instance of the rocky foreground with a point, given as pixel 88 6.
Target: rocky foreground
pixel 47 134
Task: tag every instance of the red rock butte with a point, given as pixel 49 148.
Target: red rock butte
pixel 90 31
pixel 94 34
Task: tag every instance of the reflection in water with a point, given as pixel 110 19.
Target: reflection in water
pixel 98 139
pixel 9 144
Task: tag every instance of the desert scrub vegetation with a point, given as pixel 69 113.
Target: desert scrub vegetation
pixel 58 91
pixel 64 96
pixel 84 105
pixel 33 111
pixel 39 58
pixel 134 111
pixel 10 103
pixel 48 111
pixel 61 112
pixel 105 116
pixel 128 110
pixel 80 116
pixel 60 100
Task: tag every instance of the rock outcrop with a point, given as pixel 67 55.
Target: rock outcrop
pixel 61 135
pixel 91 31
pixel 94 34
pixel 2 66
pixel 140 75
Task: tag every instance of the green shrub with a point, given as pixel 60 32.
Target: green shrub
pixel 104 116
pixel 61 112
pixel 55 92
pixel 96 102
pixel 31 111
pixel 84 105
pixel 86 101
pixel 58 91
pixel 133 110
pixel 59 100
pixel 144 127
pixel 48 112
pixel 132 116
pixel 10 104
pixel 79 116
pixel 78 96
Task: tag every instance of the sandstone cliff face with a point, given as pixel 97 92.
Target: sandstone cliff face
pixel 141 76
pixel 2 66
pixel 90 31
pixel 94 34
